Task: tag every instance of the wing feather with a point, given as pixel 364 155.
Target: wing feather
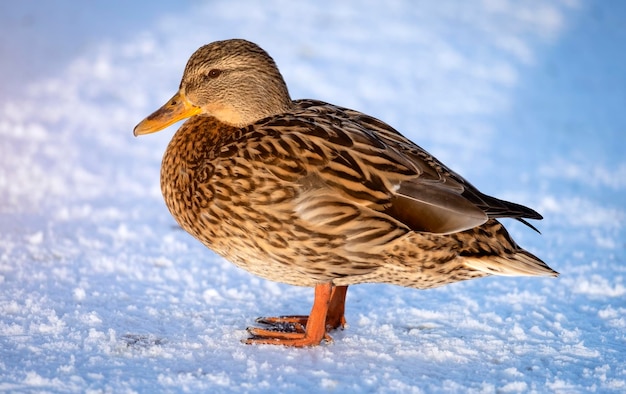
pixel 368 163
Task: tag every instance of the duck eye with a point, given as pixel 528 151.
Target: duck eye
pixel 214 73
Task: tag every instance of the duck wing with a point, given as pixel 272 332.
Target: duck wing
pixel 437 185
pixel 342 155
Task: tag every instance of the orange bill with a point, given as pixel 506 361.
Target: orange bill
pixel 177 108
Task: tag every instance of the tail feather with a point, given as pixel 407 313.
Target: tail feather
pixel 521 263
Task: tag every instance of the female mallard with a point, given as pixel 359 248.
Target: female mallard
pixel 311 194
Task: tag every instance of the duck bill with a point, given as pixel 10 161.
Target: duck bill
pixel 177 108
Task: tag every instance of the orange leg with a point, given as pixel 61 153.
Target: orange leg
pixel 297 323
pixel 327 313
pixel 335 317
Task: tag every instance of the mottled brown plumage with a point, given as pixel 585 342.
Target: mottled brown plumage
pixel 311 194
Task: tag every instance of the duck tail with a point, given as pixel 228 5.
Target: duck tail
pixel 490 249
pixel 520 263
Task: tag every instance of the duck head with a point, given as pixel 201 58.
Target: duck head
pixel 234 81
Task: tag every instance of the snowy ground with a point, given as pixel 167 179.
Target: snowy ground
pixel 101 292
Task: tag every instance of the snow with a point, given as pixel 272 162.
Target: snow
pixel 101 292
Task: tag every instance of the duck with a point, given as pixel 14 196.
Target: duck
pixel 308 193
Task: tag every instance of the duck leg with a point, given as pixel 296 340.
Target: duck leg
pixel 297 323
pixel 327 313
pixel 335 317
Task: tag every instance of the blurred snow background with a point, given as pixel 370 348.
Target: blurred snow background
pixel 100 292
